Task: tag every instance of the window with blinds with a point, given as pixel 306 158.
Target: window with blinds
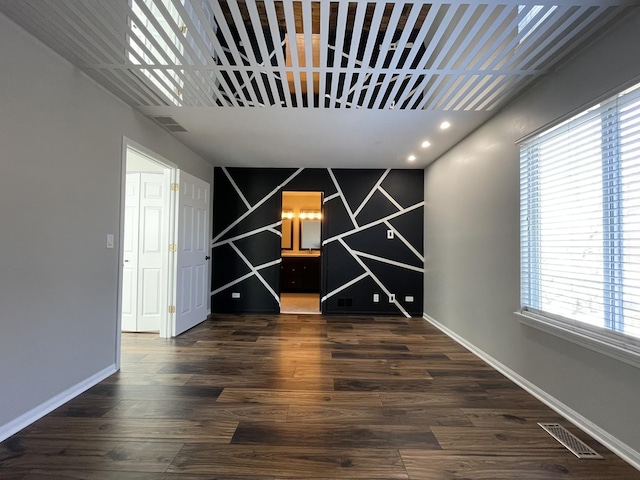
pixel 580 221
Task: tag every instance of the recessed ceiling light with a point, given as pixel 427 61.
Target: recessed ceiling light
pixel 445 125
pixel 411 158
pixel 426 144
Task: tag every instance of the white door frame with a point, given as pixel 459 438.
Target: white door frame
pixel 167 323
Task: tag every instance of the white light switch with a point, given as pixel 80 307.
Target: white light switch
pixel 235 294
pixel 110 240
pixel 390 234
pixel 376 297
pixel 408 298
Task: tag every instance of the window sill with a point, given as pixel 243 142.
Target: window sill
pixel 613 345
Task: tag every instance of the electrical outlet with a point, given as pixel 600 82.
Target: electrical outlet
pixel 376 297
pixel 390 234
pixel 392 297
pixel 408 298
pixel 235 295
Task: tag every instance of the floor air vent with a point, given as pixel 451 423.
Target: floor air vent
pixel 570 441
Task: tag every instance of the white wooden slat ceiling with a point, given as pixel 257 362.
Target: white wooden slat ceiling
pixel 312 54
pixel 167 57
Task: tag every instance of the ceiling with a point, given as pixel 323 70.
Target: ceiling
pixel 315 83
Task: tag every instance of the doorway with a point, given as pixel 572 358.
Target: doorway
pixel 301 251
pixel 183 244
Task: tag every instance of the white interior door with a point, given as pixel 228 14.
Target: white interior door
pixel 193 252
pixel 130 253
pixel 152 245
pixel 144 282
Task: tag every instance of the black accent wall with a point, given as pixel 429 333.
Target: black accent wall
pixel 358 259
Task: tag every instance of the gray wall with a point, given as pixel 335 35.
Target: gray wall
pixel 60 172
pixel 472 241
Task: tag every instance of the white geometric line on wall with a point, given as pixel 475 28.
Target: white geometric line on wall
pixel 232 283
pixel 245 276
pixel 343 198
pixel 269 264
pixel 397 233
pixel 375 279
pixel 373 190
pixel 346 285
pixel 390 198
pixel 331 197
pixel 373 224
pixel 253 269
pixel 235 187
pixel 273 230
pixel 257 205
pixel 266 228
pixel 386 260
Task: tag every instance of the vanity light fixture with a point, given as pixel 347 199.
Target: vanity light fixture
pixel 310 215
pixel 287 214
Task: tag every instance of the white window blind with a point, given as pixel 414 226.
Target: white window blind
pixel 580 220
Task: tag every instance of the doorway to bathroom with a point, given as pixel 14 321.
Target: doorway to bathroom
pixel 301 250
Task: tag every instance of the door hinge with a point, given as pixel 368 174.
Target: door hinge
pixel 172 309
pixel 175 187
pixel 173 248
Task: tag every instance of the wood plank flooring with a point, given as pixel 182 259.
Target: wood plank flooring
pixel 295 396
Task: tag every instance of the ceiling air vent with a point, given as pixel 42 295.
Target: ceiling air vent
pixel 169 123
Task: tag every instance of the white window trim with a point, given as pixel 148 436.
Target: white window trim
pixel 612 344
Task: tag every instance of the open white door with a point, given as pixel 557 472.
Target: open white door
pixel 152 279
pixel 144 277
pixel 193 252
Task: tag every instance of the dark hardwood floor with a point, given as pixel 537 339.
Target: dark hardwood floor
pixel 280 397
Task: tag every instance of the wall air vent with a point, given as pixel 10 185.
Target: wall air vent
pixel 175 128
pixel 169 123
pixel 570 441
pixel 345 302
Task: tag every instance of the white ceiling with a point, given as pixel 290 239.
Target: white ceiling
pixel 223 70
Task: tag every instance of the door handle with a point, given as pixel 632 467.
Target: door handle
pixel 207 257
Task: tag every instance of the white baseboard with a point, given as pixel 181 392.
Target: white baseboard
pixel 36 413
pixel 621 449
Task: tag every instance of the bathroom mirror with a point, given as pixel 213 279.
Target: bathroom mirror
pixel 310 238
